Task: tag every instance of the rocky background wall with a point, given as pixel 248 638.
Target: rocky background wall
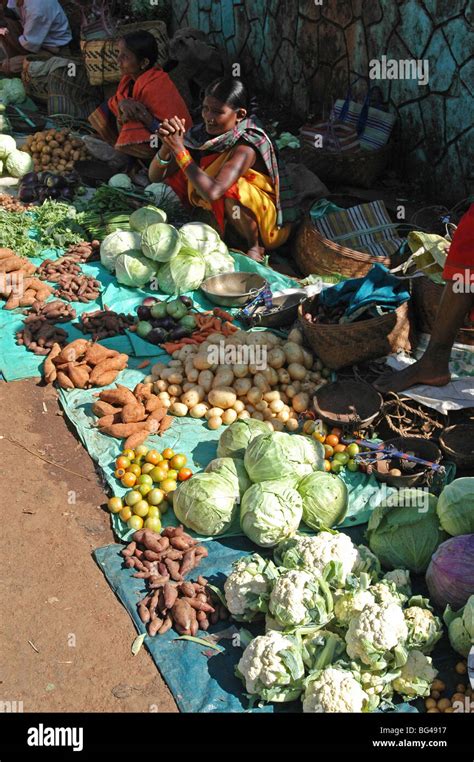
pixel 307 51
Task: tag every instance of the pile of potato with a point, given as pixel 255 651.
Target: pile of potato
pixel 131 415
pixel 55 150
pixel 81 364
pixel 164 561
pixel 278 393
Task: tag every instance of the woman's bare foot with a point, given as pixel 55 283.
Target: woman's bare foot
pixel 421 372
pixel 257 253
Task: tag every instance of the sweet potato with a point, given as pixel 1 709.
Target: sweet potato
pixel 170 593
pixel 136 439
pixel 153 403
pixel 73 351
pixel 158 580
pixel 64 381
pixel 104 379
pixel 106 420
pixel 179 543
pixel 129 550
pixel 188 562
pixel 120 396
pixel 143 391
pixel 199 605
pixel 143 613
pixel 112 363
pixel 153 542
pixel 103 408
pixel 183 614
pixel 173 568
pixel 96 353
pixel 150 555
pixel 173 554
pixel 167 624
pixel 165 424
pixel 154 626
pixel 49 367
pixel 187 589
pixel 201 552
pixel 79 376
pixel 133 413
pixel 6 254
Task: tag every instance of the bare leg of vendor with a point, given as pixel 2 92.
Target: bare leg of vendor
pixel 433 368
pixel 243 221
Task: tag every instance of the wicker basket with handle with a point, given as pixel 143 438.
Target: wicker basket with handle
pixel 341 344
pixel 100 56
pixel 316 254
pixel 360 169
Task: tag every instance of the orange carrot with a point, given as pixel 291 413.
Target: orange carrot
pixel 222 314
pixel 143 364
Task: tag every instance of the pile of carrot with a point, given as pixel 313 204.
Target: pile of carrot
pixel 215 321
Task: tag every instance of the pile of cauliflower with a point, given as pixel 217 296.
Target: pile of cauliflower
pixel 338 634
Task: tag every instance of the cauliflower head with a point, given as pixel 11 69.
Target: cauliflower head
pixel 248 586
pixel 300 597
pixel 385 592
pixel 401 580
pixel 272 667
pixel 424 629
pixel 416 676
pixel 377 636
pixel 334 689
pixel 348 604
pixel 316 552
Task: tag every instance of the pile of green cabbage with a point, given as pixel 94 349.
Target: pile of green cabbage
pixel 456 507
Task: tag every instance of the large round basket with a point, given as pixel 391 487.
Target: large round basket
pixel 457 443
pixel 426 299
pixel 100 56
pixel 334 167
pixel 339 345
pixel 316 254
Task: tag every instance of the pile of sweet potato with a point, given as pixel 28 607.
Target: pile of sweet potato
pixel 83 251
pixel 55 312
pixel 39 335
pixel 78 288
pixel 163 561
pixel 81 365
pixel 53 269
pixel 104 324
pixel 17 284
pixel 131 415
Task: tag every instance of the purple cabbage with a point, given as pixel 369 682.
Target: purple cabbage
pixel 450 575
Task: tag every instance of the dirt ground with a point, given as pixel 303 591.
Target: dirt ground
pixel 65 638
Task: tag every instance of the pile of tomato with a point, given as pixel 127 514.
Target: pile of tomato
pixel 337 455
pixel 151 477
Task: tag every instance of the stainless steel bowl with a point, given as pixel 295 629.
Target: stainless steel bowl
pixel 232 289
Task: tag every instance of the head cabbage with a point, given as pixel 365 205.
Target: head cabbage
pixel 161 242
pixel 460 626
pixel 325 500
pixel 234 441
pixel 143 218
pixel 403 530
pixel 118 243
pixel 207 503
pixel 200 237
pixel 185 272
pixel 276 455
pixel 132 269
pixel 219 261
pixel 19 163
pixel 456 507
pixel 270 511
pixel 232 468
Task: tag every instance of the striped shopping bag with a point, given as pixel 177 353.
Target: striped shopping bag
pixel 372 125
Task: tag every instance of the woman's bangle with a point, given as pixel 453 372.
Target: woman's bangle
pixel 183 159
pixel 162 162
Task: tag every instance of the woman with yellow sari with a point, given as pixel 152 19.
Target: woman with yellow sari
pixel 228 166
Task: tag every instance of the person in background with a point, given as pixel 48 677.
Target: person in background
pixel 456 302
pixel 40 26
pixel 228 166
pixel 145 97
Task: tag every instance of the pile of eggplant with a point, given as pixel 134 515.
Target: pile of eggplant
pixel 39 186
pixel 161 321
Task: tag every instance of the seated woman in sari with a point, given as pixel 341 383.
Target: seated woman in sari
pixel 145 97
pixel 228 166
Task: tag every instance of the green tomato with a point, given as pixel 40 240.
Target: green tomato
pixel 188 322
pixel 153 523
pixel 336 467
pixel 144 489
pixel 153 512
pixel 145 479
pixel 158 310
pixel 115 504
pixel 164 507
pixel 141 509
pixel 135 522
pixel 341 457
pixel 352 449
pixel 353 465
pixel 133 497
pixel 141 450
pixel 147 467
pixel 158 474
pixel 176 309
pixel 155 496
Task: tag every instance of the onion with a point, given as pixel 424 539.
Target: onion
pixel 450 575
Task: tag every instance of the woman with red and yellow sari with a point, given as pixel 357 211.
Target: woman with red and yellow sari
pixel 145 97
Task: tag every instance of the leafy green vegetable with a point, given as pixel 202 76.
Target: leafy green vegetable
pixel 460 626
pixel 234 441
pixel 270 512
pixel 456 507
pixel 233 468
pixel 325 500
pixel 185 272
pixel 132 269
pixel 276 455
pixel 161 242
pixel 207 503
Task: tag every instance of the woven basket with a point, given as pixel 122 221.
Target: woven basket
pixel 345 168
pixel 100 56
pixel 458 444
pixel 426 299
pixel 339 345
pixel 314 253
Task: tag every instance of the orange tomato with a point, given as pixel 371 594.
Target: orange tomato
pixel 178 461
pixel 332 440
pixel 337 432
pixel 130 454
pixel 122 462
pixel 340 448
pixel 184 474
pixel 164 464
pixel 119 473
pixel 319 436
pixel 328 451
pixel 168 453
pixel 327 465
pixel 134 468
pixel 153 456
pixel 129 479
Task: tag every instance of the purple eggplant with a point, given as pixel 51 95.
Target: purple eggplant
pixel 166 322
pixel 28 193
pixel 178 333
pixel 187 302
pixel 31 178
pixel 143 313
pixel 156 336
